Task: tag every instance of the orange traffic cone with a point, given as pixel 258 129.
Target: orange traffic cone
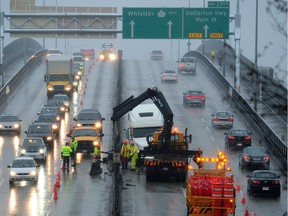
pixel 59 176
pixel 254 214
pixel 238 187
pixel 55 192
pixel 247 212
pixel 243 199
pixel 57 183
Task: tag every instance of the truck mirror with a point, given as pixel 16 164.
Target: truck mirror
pixel 190 138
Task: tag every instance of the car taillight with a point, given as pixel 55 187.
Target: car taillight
pixel 181 65
pixel 231 137
pixel 230 119
pixel 246 157
pixel 275 182
pixel 215 119
pixel 175 75
pixel 255 181
pixel 267 158
pixel 247 138
pixel 164 75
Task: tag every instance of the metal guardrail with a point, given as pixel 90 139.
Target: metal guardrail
pixel 10 86
pixel 272 141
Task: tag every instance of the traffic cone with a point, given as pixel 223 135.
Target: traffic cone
pixel 57 183
pixel 238 188
pixel 55 192
pixel 86 79
pixel 243 199
pixel 247 212
pixel 254 214
pixel 59 176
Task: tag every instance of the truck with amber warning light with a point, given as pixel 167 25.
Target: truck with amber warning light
pixel 167 154
pixel 211 192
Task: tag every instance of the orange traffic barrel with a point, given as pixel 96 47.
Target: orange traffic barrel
pixel 217 194
pixel 228 194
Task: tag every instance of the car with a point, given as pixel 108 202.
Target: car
pixel 23 168
pixel 33 147
pixel 52 119
pixel 53 111
pixel 54 52
pixel 43 130
pixel 254 157
pixel 194 97
pixel 10 123
pixel 78 65
pixel 169 75
pixel 187 64
pixel 59 104
pixel 107 52
pixel 88 137
pixel 238 138
pixel 90 117
pixel 157 55
pixel 263 182
pixel 222 119
pixel 64 98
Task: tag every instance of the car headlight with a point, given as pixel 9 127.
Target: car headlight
pixel 23 151
pixel 49 138
pixel 101 57
pixel 66 104
pixel 62 109
pixel 16 126
pixel 79 125
pixel 1 126
pixel 79 73
pixel 98 124
pixel 77 77
pixel 50 88
pixel 95 143
pixel 13 173
pixel 58 118
pixel 41 151
pixel 32 173
pixel 112 56
pixel 68 88
pixel 75 83
pixel 54 127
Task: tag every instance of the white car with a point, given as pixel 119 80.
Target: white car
pixel 33 147
pixel 169 75
pixel 10 123
pixel 54 52
pixel 23 169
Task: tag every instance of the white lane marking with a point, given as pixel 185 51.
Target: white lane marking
pixel 207 128
pixel 203 120
pixel 212 138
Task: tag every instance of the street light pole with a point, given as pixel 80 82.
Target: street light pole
pixel 256 75
pixel 189 43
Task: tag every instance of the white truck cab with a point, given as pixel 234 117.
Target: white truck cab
pixel 143 119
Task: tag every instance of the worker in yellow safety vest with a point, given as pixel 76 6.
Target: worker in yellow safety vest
pixel 125 154
pixel 133 155
pixel 66 153
pixel 74 145
pixel 97 151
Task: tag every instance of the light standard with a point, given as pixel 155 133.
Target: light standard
pixel 256 75
pixel 189 43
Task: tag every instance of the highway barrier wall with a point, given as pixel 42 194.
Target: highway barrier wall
pixel 265 134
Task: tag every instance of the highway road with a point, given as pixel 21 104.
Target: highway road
pixel 82 194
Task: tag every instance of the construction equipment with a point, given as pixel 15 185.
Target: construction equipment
pixel 167 153
pixel 211 192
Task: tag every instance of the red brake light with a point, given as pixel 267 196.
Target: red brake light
pixel 175 75
pixel 215 119
pixel 267 158
pixel 231 137
pixel 256 181
pixel 275 182
pixel 246 157
pixel 247 138
pixel 230 119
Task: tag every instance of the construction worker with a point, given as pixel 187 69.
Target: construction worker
pixel 125 153
pixel 213 54
pixel 66 153
pixel 74 145
pixel 133 155
pixel 97 151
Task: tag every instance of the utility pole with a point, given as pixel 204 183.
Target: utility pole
pixel 1 46
pixel 237 47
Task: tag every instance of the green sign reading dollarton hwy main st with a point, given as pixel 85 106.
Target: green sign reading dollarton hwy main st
pixel 175 23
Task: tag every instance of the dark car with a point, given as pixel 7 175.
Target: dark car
pixel 194 97
pixel 10 123
pixel 59 104
pixel 222 119
pixel 64 98
pixel 51 110
pixel 89 117
pixel 41 129
pixel 237 138
pixel 264 182
pixel 51 119
pixel 254 157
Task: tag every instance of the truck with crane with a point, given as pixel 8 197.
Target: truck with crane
pixel 167 153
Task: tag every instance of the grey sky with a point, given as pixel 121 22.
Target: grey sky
pixel 140 49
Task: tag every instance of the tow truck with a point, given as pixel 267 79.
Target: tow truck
pixel 107 52
pixel 167 153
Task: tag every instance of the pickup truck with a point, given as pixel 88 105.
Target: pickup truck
pixel 187 64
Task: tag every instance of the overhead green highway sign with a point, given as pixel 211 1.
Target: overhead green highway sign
pixel 175 23
pixel 148 23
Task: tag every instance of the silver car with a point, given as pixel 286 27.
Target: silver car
pixel 222 119
pixel 169 75
pixel 33 147
pixel 10 123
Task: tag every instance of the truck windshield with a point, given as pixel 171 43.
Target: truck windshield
pixel 59 77
pixel 142 132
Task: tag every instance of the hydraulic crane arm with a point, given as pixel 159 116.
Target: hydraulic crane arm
pixel 158 99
